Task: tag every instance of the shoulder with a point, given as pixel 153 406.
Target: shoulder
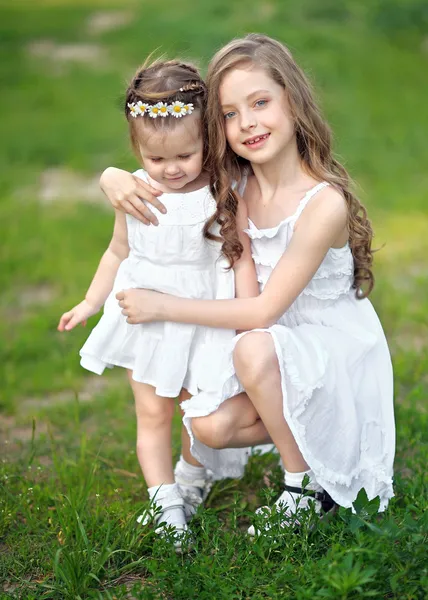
pixel 325 219
pixel 327 206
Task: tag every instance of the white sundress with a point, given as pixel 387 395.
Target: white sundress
pixel 173 258
pixel 336 376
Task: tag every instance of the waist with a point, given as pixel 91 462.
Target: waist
pixel 167 263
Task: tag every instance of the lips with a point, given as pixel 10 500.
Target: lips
pixel 256 139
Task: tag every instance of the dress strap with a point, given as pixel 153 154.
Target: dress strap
pixel 310 194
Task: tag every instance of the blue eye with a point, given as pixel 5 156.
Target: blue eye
pixel 261 102
pixel 229 115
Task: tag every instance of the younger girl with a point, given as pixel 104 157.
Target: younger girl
pixel 164 107
pixel 313 359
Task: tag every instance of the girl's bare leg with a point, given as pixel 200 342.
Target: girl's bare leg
pixel 236 424
pixel 257 367
pixel 154 422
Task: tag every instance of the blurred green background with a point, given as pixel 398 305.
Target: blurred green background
pixel 64 66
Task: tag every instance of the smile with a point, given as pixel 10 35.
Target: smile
pixel 257 139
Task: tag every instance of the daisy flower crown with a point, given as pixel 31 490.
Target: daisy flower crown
pixel 176 108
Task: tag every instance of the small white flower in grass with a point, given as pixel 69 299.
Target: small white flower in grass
pixel 143 106
pixel 134 110
pixel 163 109
pixel 154 111
pixel 189 108
pixel 176 109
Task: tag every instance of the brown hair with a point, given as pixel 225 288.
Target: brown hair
pixel 165 81
pixel 313 139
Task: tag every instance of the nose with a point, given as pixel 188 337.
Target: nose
pixel 172 169
pixel 248 120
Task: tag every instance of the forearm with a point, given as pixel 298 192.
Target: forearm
pixel 246 284
pixel 103 280
pixel 240 313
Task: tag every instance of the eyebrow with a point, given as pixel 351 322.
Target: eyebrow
pixel 149 155
pixel 255 93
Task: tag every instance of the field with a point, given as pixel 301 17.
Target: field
pixel 70 486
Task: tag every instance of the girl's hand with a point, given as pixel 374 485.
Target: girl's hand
pixel 78 314
pixel 125 192
pixel 140 306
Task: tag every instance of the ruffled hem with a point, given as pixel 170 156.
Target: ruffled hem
pixel 380 485
pixel 331 294
pixel 374 476
pixel 162 355
pixel 324 272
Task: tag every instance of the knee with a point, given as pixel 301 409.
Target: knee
pixel 211 430
pixel 255 358
pixel 155 414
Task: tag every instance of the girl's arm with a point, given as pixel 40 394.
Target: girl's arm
pixel 125 191
pixel 246 284
pixel 319 228
pixel 103 280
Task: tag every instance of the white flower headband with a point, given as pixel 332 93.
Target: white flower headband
pixel 161 109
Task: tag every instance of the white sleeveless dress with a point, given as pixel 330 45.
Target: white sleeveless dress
pixel 172 258
pixel 336 376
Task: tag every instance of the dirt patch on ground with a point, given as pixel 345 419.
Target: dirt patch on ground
pixel 13 432
pixel 60 55
pixel 103 21
pixel 92 387
pixel 60 184
pixel 36 295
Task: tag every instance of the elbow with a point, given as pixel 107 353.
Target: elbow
pixel 265 315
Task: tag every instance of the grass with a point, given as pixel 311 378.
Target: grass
pixel 70 483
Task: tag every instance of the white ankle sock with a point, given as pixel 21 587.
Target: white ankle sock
pixel 189 471
pixel 296 480
pixel 163 494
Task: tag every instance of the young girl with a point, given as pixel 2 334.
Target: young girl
pixel 164 107
pixel 313 358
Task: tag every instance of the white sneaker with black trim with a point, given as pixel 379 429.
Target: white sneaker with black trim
pixel 291 505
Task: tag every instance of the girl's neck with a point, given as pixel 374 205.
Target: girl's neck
pixel 283 171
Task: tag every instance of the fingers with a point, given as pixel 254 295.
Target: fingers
pixel 150 194
pixel 120 295
pixel 72 323
pixel 137 211
pixel 65 323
